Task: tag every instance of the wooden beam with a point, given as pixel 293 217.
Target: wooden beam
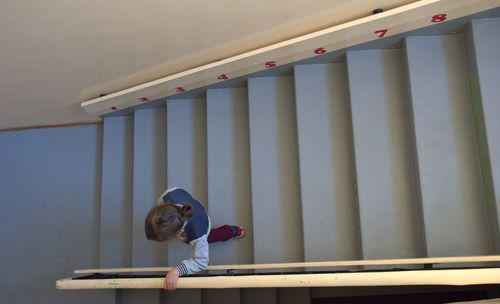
pixel 458 277
pixel 62 125
pixel 387 262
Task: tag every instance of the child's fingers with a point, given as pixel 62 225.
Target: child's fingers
pixel 169 286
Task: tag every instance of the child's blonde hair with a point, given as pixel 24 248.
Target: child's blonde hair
pixel 164 221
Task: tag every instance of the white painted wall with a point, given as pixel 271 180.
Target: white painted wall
pixel 55 54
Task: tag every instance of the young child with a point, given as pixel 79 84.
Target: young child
pixel 178 214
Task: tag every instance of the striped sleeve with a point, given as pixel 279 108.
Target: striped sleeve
pixel 182 268
pixel 198 261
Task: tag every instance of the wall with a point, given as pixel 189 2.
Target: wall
pixel 49 198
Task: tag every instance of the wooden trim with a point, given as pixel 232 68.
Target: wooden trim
pixel 388 262
pixel 396 21
pixel 385 278
pixel 63 125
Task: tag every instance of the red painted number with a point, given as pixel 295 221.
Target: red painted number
pixel 319 51
pixel 381 33
pixel 179 89
pixel 144 99
pixel 439 18
pixel 270 64
pixel 223 77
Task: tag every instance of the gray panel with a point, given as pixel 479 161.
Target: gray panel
pixel 139 296
pixel 186 158
pixel 49 223
pixel 187 168
pixel 483 43
pixel 228 180
pixel 149 180
pixel 229 193
pixel 182 296
pixel 217 296
pixel 386 187
pixel 450 183
pixel 294 296
pixel 331 223
pixel 259 295
pixel 116 194
pixel 277 226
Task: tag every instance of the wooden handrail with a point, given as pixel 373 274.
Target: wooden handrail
pixel 378 278
pixel 385 262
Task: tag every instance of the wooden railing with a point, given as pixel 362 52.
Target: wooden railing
pixel 436 271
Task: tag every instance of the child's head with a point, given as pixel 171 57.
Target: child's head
pixel 164 221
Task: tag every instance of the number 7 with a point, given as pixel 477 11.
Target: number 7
pixel 381 33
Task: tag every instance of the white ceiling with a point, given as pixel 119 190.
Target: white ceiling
pixel 54 54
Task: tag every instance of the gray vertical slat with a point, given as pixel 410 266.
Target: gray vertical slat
pixel 182 296
pixel 149 179
pixel 277 223
pixel 226 296
pixel 187 168
pixel 116 193
pixel 294 296
pixel 115 239
pixel 483 42
pixel 229 192
pixel 259 295
pixel 385 182
pixel 327 171
pixel 186 158
pixel 447 161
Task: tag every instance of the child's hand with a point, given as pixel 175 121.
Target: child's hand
pixel 171 279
